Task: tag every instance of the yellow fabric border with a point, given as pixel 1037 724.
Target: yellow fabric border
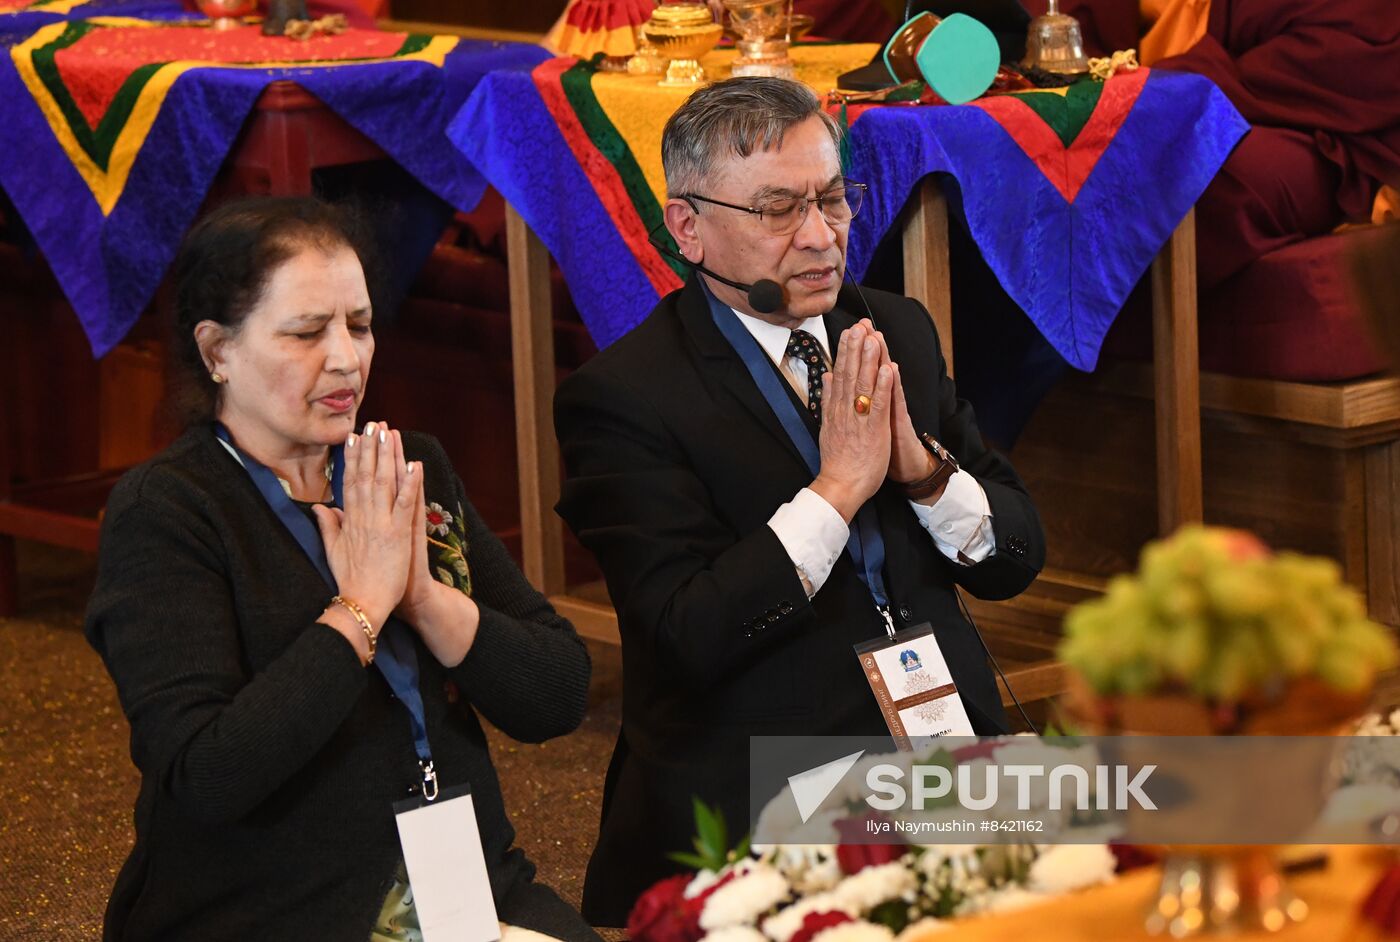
pixel 107 185
pixel 59 6
pixel 639 108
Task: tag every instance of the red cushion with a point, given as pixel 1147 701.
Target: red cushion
pixel 1288 316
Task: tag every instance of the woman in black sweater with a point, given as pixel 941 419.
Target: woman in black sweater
pixel 269 585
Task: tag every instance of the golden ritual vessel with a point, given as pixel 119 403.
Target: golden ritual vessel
pixel 765 31
pixel 681 33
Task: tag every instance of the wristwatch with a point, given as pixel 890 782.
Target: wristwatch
pixel 944 467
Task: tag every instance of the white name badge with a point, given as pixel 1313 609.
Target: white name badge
pixel 447 869
pixel 913 686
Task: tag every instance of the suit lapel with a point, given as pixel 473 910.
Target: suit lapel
pixel 719 361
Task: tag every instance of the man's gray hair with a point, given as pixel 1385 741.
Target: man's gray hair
pixel 737 116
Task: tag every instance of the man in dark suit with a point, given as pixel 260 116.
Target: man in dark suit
pixel 725 552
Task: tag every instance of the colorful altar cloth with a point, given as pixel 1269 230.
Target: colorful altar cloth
pixel 24 16
pixel 1069 194
pixel 112 131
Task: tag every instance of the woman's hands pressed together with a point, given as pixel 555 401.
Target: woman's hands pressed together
pixel 369 543
pixel 377 551
pixel 444 617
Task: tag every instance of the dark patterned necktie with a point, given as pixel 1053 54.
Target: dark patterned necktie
pixel 804 347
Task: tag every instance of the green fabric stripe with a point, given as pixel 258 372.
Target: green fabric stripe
pixel 98 142
pixel 577 83
pixel 413 42
pixel 1068 113
pixel 108 129
pixel 47 70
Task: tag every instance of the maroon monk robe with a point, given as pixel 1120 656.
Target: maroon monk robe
pixel 1319 80
pixel 855 21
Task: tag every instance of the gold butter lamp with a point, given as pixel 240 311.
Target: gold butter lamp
pixel 1055 43
pixel 680 33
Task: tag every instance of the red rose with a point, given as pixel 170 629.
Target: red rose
pixel 663 914
pixel 855 857
pixel 813 923
pixel 1131 857
pixel 1382 904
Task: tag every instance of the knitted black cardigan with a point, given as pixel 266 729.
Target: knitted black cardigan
pixel 269 757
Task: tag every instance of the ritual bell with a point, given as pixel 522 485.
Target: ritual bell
pixel 1056 44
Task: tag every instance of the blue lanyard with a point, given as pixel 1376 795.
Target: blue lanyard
pixel 394 653
pixel 865 544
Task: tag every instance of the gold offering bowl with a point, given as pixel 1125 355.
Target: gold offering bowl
pixel 227 14
pixel 682 33
pixel 764 29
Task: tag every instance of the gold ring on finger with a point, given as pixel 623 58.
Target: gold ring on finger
pixel 862 405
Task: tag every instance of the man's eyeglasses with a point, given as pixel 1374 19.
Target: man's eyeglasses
pixel 786 216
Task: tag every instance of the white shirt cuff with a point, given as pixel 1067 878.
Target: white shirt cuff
pixel 961 522
pixel 813 534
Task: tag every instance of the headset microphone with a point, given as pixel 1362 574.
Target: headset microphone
pixel 765 295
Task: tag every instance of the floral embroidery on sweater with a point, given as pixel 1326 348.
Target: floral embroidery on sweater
pixel 447 546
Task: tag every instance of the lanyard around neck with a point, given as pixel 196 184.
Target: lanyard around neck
pixel 395 656
pixel 865 544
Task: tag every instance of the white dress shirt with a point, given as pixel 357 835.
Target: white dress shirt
pixel 812 531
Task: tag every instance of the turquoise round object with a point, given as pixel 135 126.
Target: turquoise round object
pixel 960 58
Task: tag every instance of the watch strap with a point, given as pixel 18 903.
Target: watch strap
pixel 944 467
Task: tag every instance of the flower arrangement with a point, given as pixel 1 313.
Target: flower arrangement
pixel 848 891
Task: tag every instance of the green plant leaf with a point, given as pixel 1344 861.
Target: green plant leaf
pixel 689 860
pixel 893 914
pixel 712 837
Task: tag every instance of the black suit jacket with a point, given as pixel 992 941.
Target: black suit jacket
pixel 675 465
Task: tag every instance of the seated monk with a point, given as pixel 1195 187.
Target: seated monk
pixel 1316 81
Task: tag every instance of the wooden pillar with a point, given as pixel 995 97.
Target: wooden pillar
pixel 532 357
pixel 927 271
pixel 1177 373
pixel 1383 531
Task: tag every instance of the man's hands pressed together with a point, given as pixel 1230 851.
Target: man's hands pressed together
pixel 859 451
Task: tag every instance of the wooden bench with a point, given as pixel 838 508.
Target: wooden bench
pixel 1308 466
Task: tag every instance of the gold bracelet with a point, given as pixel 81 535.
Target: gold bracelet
pixel 359 615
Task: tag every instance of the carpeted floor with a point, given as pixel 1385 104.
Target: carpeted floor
pixel 67 784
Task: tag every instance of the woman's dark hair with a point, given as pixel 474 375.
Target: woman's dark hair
pixel 223 267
